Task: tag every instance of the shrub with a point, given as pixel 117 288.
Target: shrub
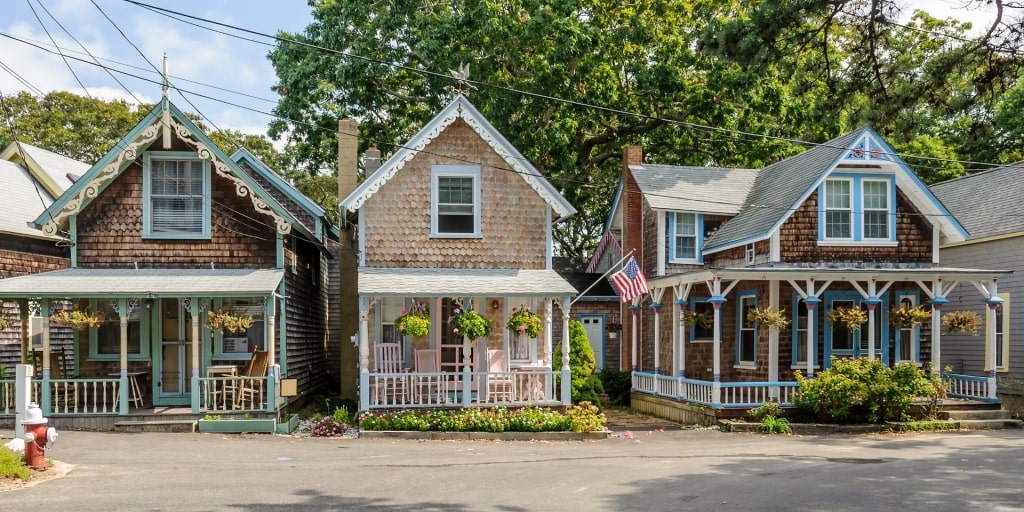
pixel 775 425
pixel 585 385
pixel 12 464
pixel 858 390
pixel 764 410
pixel 584 418
pixel 617 384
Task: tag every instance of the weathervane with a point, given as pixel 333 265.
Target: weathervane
pixel 461 76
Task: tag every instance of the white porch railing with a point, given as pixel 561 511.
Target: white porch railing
pixel 68 397
pixel 8 397
pixel 732 394
pixel 968 386
pixel 236 394
pixel 448 389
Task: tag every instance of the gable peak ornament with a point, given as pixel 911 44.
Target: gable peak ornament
pixel 461 76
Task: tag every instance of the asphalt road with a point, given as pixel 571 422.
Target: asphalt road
pixel 673 470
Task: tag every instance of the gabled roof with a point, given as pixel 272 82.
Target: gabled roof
pixel 713 190
pixel 164 122
pixel 460 108
pixel 53 171
pixel 986 203
pixel 782 187
pixel 307 205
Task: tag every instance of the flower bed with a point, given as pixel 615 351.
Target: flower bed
pixel 582 418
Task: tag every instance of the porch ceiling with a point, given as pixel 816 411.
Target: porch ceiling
pixel 94 283
pixel 454 282
pixel 830 273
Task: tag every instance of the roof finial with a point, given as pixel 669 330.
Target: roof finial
pixel 166 83
pixel 461 76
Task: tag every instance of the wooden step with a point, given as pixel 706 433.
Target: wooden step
pixel 179 426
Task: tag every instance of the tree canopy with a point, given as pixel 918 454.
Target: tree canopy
pixel 719 82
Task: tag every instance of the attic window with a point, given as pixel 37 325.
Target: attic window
pixel 455 200
pixel 176 191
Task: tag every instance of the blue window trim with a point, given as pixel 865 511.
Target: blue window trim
pixel 461 171
pixel 699 235
pixel 881 318
pixel 898 335
pixel 794 340
pixel 857 208
pixel 147 204
pixel 739 322
pixel 693 328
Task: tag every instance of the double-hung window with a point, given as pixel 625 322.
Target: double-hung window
pixel 455 196
pixel 685 237
pixel 908 337
pixel 801 330
pixel 838 209
pixel 746 338
pixel 177 191
pixel 876 209
pixel 1000 330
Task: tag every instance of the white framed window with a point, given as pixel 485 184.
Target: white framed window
pixel 176 192
pixel 455 200
pixel 1000 329
pixel 685 237
pixel 243 343
pixel 908 339
pixel 876 209
pixel 838 209
pixel 746 331
pixel 750 254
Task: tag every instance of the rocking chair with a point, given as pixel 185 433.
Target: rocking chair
pixel 248 386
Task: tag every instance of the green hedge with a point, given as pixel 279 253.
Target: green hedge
pixel 582 418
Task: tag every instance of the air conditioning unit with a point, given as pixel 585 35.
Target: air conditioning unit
pixel 35 331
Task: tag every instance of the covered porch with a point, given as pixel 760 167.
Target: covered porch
pixel 440 368
pixel 732 364
pixel 144 339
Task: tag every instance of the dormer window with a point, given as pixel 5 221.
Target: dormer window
pixel 176 188
pixel 455 196
pixel 857 209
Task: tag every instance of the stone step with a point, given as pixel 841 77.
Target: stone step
pixel 179 426
pixel 975 414
pixel 953 405
pixel 990 424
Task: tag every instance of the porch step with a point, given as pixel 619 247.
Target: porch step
pixel 968 405
pixel 180 426
pixel 974 414
pixel 995 424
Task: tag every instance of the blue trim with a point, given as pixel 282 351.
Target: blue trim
pixel 857 211
pixel 881 320
pixel 994 300
pixel 938 300
pixel 739 324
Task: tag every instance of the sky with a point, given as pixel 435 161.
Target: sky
pixel 238 68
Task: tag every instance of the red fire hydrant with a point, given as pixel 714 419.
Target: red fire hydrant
pixel 37 436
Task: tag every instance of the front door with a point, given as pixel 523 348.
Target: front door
pixel 594 327
pixel 174 380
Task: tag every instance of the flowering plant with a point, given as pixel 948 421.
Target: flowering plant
pixel 415 323
pixel 961 322
pixel 702 320
pixel 851 317
pixel 768 316
pixel 904 317
pixel 469 323
pixel 3 322
pixel 218 319
pixel 77 319
pixel 524 321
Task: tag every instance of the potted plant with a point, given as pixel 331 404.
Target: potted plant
pixel 961 322
pixel 415 323
pixel 851 317
pixel 77 319
pixel 768 317
pixel 613 330
pixel 524 321
pixel 702 320
pixel 905 317
pixel 218 319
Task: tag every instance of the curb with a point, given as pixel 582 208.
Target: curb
pixel 486 436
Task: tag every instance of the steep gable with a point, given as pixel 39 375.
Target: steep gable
pixel 980 201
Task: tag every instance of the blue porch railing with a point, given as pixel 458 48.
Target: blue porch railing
pixel 969 387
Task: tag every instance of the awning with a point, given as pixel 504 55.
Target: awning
pixel 153 283
pixel 459 282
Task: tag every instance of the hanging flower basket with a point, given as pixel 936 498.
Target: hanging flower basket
pixel 961 322
pixel 905 318
pixel 768 317
pixel 218 320
pixel 702 320
pixel 524 321
pixel 77 319
pixel 415 323
pixel 469 324
pixel 852 318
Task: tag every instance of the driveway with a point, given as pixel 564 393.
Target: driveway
pixel 646 470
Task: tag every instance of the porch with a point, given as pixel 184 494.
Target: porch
pixel 515 388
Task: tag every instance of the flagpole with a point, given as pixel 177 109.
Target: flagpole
pixel 598 280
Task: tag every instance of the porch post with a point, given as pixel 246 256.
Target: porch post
pixel 364 353
pixel 812 301
pixel 773 341
pixel 677 321
pixel 548 312
pixel 195 309
pixel 120 307
pixel 26 342
pixel 566 390
pixel 45 399
pixel 937 301
pixel 271 312
pixel 633 310
pixel 993 302
pixel 716 301
pixel 872 301
pixel 656 306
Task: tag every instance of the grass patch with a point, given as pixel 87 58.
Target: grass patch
pixel 12 464
pixel 925 426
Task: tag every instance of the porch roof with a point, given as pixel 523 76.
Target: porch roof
pixel 830 273
pixel 448 282
pixel 97 283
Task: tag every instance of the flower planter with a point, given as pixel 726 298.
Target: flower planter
pixel 238 426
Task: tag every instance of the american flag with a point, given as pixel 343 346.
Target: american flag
pixel 630 281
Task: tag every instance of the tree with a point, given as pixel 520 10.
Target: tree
pixel 626 57
pixel 585 385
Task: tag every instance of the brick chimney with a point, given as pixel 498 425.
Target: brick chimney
pixel 371 161
pixel 347 310
pixel 632 239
